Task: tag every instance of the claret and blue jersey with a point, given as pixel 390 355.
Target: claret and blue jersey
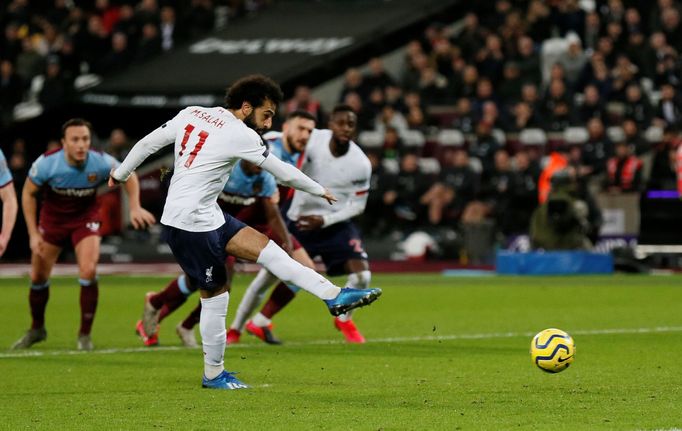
pixel 5 174
pixel 70 191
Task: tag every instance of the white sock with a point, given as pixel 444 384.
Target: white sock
pixel 252 298
pixel 289 271
pixel 260 320
pixel 212 328
pixel 358 280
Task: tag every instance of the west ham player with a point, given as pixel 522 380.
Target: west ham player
pixel 208 143
pixel 251 195
pixel 8 197
pixel 68 178
pixel 339 164
pixel 287 146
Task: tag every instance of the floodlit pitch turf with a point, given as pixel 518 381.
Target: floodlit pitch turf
pixel 442 353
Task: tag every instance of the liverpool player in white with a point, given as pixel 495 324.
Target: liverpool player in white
pixel 336 162
pixel 208 142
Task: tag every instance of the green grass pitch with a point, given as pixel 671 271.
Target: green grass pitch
pixel 442 353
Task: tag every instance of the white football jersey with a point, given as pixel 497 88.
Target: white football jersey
pixel 208 142
pixel 347 177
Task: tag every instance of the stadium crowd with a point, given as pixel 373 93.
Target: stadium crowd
pixel 464 131
pixel 46 45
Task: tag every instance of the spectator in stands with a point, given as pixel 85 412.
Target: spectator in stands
pixel 374 221
pixel 624 170
pixel 663 174
pixel 485 145
pixel 592 106
pixel 528 60
pixel 149 44
pixel 597 150
pixel 469 81
pixel 404 190
pixel 304 100
pixel 472 37
pixel 557 107
pixel 634 138
pixel 171 32
pixel 118 58
pixel 392 147
pixel 10 45
pixel 671 27
pixel 638 107
pixel 93 41
pixel 29 62
pixel 523 116
pixel 669 112
pixel 498 189
pixel 365 116
pixel 524 196
pixel 538 20
pixel 569 17
pixel 416 119
pixel 465 119
pixel 393 95
pixel 457 185
pixel 352 82
pixel 484 95
pixel 530 95
pixel 118 144
pixel 389 117
pixel 433 87
pixel 509 90
pixel 574 60
pixel 592 30
pixel 56 87
pixel 17 162
pixel 490 59
pixel 11 89
pixel 377 77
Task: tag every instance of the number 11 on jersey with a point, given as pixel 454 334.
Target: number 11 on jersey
pixel 183 145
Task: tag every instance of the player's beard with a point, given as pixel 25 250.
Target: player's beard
pixel 250 122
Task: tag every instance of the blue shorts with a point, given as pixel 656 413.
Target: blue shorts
pixel 202 255
pixel 336 245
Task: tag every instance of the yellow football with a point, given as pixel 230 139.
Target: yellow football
pixel 552 350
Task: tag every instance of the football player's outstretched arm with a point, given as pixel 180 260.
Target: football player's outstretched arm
pixel 292 177
pixel 139 217
pixel 150 144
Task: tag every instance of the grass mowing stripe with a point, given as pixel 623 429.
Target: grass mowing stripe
pixel 658 329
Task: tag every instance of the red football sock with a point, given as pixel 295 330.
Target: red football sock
pixel 193 318
pixel 279 299
pixel 89 296
pixel 37 298
pixel 171 296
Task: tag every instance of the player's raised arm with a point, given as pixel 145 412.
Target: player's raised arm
pixel 153 142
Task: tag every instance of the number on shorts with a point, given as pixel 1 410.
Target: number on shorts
pixel 357 245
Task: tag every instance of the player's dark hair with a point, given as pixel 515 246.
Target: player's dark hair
pixel 75 122
pixel 299 113
pixel 254 89
pixel 342 108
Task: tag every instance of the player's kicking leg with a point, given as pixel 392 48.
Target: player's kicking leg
pixel 252 245
pixel 261 324
pixel 41 268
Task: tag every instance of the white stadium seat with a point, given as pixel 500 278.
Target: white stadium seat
pixel 429 165
pixel 615 134
pixel 371 139
pixel 450 138
pixel 391 166
pixel 531 137
pixel 576 135
pixel 413 138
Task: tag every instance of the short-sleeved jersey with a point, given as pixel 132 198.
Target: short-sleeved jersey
pixel 208 144
pixel 5 173
pixel 346 176
pixel 70 192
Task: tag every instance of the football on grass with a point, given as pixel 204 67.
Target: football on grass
pixel 552 350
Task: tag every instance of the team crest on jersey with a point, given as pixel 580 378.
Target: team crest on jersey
pixel 257 187
pixel 92 177
pixel 93 226
pixel 209 274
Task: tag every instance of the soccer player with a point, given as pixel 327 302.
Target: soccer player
pixel 334 160
pixel 251 195
pixel 68 178
pixel 9 204
pixel 208 141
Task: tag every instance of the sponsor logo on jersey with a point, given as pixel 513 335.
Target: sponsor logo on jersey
pixel 93 226
pixel 236 200
pixel 75 193
pixel 209 274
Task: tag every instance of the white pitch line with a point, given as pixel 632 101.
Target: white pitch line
pixel 481 336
